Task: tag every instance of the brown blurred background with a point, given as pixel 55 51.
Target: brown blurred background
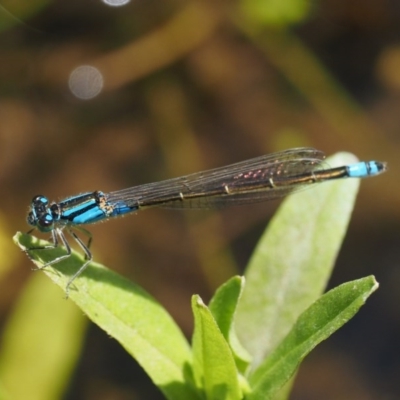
pixel 176 87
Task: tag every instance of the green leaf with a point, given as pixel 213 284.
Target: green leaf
pixel 293 261
pixel 214 367
pixel 41 343
pixel 317 323
pixel 127 313
pixel 223 307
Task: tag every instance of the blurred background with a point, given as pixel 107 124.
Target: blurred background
pixel 103 95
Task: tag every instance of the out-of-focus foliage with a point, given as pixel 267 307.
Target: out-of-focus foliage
pixel 187 86
pixel 276 13
pixel 17 12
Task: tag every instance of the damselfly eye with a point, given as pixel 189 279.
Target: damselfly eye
pixel 40 200
pixel 45 223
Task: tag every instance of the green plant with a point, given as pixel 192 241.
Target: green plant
pixel 251 338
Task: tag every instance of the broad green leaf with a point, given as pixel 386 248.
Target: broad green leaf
pixel 41 343
pixel 223 308
pixel 316 324
pixel 127 313
pixel 293 261
pixel 213 363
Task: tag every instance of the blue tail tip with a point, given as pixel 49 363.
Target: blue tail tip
pixel 366 168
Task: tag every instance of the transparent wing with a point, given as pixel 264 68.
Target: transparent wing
pixel 244 182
